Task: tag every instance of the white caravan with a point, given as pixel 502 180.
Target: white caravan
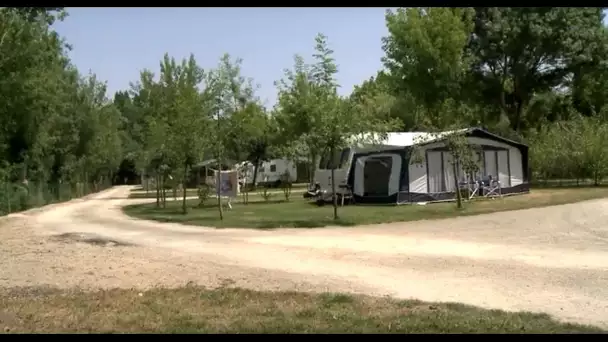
pixel 272 171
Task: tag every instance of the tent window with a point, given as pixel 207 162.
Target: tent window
pixel 504 172
pixel 273 168
pixel 478 174
pixel 261 169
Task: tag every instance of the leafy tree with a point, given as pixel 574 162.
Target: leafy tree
pixel 189 121
pixel 47 14
pixel 522 51
pixel 425 57
pixel 59 134
pixel 295 111
pixel 334 119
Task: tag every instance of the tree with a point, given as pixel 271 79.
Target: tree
pixel 522 51
pixel 332 120
pixel 259 134
pixel 426 57
pixel 150 99
pixel 573 149
pixel 225 93
pixel 189 121
pixel 295 114
pixel 462 154
pixel 47 14
pixel 59 134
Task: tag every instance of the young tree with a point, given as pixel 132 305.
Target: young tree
pixel 150 99
pixel 336 120
pixel 295 111
pixel 189 120
pixel 462 154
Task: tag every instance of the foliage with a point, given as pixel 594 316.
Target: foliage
pixel 533 74
pixel 203 192
pixel 574 149
pixel 425 52
pixel 286 184
pixel 59 133
pixel 523 51
pixel 265 192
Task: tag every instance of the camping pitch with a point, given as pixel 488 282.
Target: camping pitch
pixel 390 173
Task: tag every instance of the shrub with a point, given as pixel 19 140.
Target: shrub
pixel 203 192
pixel 286 184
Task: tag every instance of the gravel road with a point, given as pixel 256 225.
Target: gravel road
pixel 552 260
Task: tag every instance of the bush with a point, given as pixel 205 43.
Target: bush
pixel 286 185
pixel 575 149
pixel 203 192
pixel 265 193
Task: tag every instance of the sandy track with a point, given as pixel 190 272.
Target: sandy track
pixel 552 260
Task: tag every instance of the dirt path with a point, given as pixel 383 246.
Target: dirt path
pixel 552 260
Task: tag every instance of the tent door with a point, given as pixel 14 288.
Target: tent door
pixel 377 175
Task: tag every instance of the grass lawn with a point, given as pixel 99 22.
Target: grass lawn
pixel 194 309
pixel 300 213
pixel 141 193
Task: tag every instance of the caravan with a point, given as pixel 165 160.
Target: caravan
pixel 272 172
pixel 390 173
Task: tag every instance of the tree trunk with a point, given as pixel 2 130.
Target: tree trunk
pixel 184 207
pixel 86 182
pixel 157 181
pixel 458 194
pixel 218 192
pixel 163 191
pixel 255 171
pixel 333 190
pixel 313 168
pixel 198 178
pixel 218 184
pixel 8 195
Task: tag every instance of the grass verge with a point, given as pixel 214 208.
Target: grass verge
pixel 197 310
pixel 141 193
pixel 300 213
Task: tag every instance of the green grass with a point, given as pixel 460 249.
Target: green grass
pixel 141 193
pixel 197 310
pixel 300 213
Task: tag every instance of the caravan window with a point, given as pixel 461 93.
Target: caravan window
pixel 273 168
pixel 344 157
pixel 337 161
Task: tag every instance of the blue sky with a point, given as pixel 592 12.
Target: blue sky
pixel 116 43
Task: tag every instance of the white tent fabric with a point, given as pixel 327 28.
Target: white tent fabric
pixel 435 173
pixel 503 168
pixel 448 172
pixel 491 167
